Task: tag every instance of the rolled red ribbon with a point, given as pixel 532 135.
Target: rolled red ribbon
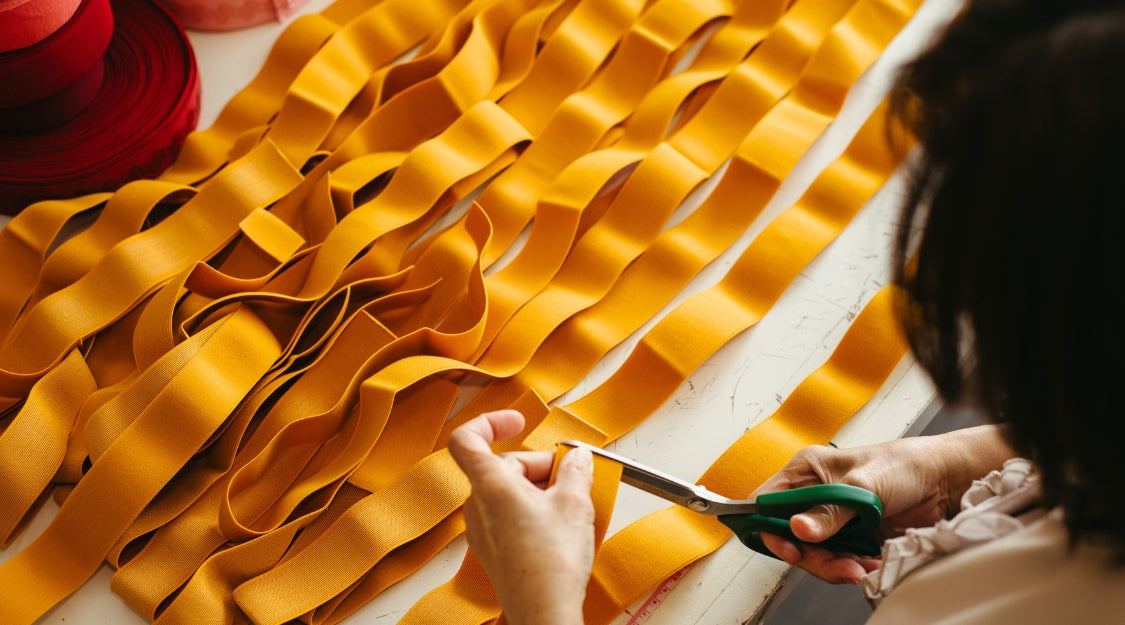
pixel 133 128
pixel 33 73
pixel 26 22
pixel 54 111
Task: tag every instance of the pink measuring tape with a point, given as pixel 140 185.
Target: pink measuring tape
pixel 657 597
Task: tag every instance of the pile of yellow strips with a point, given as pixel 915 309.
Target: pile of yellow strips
pixel 239 378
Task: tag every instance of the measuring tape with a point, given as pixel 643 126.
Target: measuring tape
pixel 657 597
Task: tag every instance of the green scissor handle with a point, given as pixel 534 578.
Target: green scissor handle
pixel 774 510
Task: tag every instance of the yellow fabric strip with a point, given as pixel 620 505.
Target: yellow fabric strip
pixel 699 326
pixel 393 568
pixel 651 282
pixel 572 192
pixel 100 508
pixel 575 186
pixel 24 242
pixel 569 58
pixel 396 565
pixel 280 594
pixel 782 136
pixel 638 557
pixel 309 420
pixel 40 431
pixel 207 598
pixel 123 215
pixel 139 264
pixel 479 137
pixel 205 151
pixel 307 73
pixel 580 122
pixel 420 98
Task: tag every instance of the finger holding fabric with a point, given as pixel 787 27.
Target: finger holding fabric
pixel 919 481
pixel 536 542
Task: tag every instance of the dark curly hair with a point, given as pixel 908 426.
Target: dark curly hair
pixel 1019 108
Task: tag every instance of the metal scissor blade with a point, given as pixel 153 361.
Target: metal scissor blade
pixel 673 489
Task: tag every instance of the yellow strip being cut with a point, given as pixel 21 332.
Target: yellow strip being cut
pixel 634 560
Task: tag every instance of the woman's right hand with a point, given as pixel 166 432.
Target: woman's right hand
pixel 920 480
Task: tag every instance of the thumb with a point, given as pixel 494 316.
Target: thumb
pixel 819 523
pixel 576 471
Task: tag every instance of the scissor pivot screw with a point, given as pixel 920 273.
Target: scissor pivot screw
pixel 698 505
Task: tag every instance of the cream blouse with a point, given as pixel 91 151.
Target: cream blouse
pixel 996 563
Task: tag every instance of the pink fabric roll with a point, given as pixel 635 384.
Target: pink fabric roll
pixel 230 14
pixel 26 22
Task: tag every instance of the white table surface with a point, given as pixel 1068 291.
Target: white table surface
pixel 739 386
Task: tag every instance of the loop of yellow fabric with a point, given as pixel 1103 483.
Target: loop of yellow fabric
pixel 239 378
pixel 137 264
pixel 24 242
pixel 282 446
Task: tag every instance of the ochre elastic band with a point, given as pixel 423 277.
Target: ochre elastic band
pixel 77 541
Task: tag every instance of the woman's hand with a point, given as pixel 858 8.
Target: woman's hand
pixel 536 543
pixel 920 481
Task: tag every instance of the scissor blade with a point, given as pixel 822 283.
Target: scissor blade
pixel 673 489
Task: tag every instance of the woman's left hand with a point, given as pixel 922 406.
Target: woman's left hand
pixel 535 542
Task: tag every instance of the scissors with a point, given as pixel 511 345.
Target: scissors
pixel 770 512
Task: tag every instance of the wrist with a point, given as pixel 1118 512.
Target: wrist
pixel 549 612
pixel 545 595
pixel 967 455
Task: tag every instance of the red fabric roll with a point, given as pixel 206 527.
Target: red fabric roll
pixel 36 72
pixel 27 22
pixel 54 111
pixel 133 128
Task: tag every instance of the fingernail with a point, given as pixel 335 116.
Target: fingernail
pixel 793 554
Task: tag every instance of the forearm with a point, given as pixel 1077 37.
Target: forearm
pixel 538 588
pixel 969 454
